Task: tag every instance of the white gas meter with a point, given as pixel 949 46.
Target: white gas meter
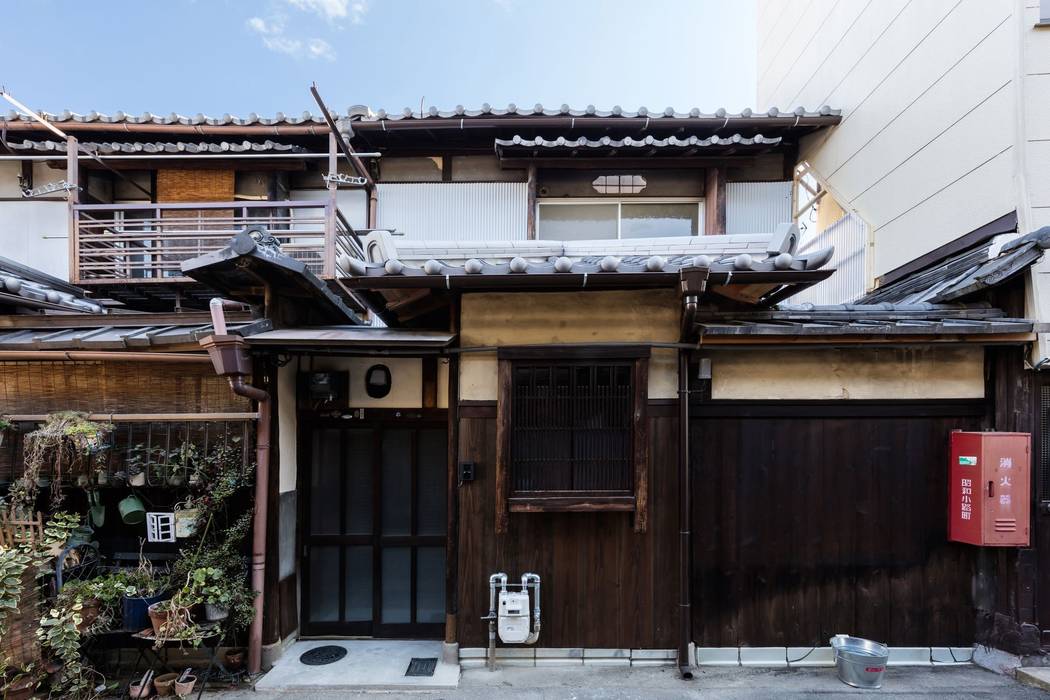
pixel 513 621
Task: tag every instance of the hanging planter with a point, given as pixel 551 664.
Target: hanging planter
pixel 186 518
pixel 132 512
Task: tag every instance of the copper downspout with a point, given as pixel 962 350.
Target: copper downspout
pixel 229 355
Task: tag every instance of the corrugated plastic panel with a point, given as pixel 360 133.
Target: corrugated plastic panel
pixel 462 211
pixel 849 235
pixel 757 207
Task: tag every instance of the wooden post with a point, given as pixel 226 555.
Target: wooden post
pixel 530 203
pixel 330 209
pixel 715 201
pixel 72 199
pixel 503 417
pixel 641 444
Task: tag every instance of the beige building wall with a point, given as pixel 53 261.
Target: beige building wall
pixel 849 374
pixel 552 318
pixel 929 92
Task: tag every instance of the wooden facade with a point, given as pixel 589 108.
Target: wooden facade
pixel 595 566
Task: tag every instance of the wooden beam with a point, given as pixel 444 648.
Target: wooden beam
pixel 72 200
pixel 640 442
pixel 715 201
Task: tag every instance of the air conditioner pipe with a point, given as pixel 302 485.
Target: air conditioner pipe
pixel 501 579
pixel 525 578
pixel 230 358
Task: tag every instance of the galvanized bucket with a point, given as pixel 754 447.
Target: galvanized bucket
pixel 860 662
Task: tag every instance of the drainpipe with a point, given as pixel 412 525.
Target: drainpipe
pixel 692 283
pixel 230 357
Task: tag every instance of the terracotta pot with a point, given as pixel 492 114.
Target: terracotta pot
pixel 215 613
pixel 234 659
pixel 165 684
pixel 158 617
pixel 185 687
pixel 20 690
pixel 137 690
pixel 89 613
pixel 137 479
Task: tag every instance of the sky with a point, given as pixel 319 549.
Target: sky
pixel 237 57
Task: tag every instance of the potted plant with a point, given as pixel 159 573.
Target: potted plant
pixel 144 589
pixel 82 593
pixel 5 425
pixel 23 683
pixel 210 586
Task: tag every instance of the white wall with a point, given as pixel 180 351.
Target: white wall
pixel 925 151
pixel 454 210
pixel 757 207
pixel 33 232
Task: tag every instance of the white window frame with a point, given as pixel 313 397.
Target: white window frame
pixel 619 202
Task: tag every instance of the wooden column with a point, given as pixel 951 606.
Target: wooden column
pixel 73 198
pixel 530 203
pixel 715 201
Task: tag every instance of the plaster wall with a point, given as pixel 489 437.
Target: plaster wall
pixel 553 318
pixel 885 373
pixel 34 232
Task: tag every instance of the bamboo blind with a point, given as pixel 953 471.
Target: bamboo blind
pixel 195 185
pixel 114 387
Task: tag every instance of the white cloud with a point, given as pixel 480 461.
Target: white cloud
pixel 333 11
pixel 319 48
pixel 271 31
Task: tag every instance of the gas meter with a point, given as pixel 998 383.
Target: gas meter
pixel 513 622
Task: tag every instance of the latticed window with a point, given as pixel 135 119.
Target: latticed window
pixel 572 431
pixel 571 427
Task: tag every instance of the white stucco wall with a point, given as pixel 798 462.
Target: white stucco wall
pixel 33 232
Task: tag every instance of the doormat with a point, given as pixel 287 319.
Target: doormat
pixel 319 656
pixel 421 667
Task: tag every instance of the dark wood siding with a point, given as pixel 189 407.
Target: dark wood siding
pixel 807 525
pixel 604 585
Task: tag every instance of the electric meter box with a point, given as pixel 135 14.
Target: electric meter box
pixel 989 500
pixel 513 617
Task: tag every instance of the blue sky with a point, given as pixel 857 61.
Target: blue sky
pixel 216 56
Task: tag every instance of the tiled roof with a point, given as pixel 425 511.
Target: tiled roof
pixel 863 319
pixel 986 265
pixel 160 147
pixel 120 117
pixel 24 287
pixel 365 113
pixel 671 143
pixel 774 252
pixel 118 332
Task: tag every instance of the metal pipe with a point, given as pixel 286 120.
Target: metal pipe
pixel 492 616
pixel 525 578
pixel 99 356
pixel 685 605
pixel 183 156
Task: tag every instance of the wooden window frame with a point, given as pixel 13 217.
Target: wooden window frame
pixel 573 501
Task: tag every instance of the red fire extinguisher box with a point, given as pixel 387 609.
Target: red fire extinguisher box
pixel 989 498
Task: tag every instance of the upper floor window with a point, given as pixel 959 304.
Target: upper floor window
pixel 619 184
pixel 606 218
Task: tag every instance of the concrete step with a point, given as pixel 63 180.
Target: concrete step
pixel 1035 676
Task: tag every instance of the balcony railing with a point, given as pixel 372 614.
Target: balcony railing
pixel 133 243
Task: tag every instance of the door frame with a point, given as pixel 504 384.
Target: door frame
pixel 378 420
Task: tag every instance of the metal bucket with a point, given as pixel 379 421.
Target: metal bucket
pixel 860 662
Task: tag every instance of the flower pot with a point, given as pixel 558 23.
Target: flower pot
pixel 137 479
pixel 138 690
pixel 214 613
pixel 20 689
pixel 234 659
pixel 83 481
pixel 43 481
pixel 165 684
pixel 89 613
pixel 158 618
pixel 176 480
pixel 183 688
pixel 132 512
pixel 185 521
pixel 135 611
pixel 195 479
pixel 102 478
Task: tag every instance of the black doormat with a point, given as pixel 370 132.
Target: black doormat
pixel 319 656
pixel 421 667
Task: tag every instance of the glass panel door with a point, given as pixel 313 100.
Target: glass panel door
pixel 374 531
